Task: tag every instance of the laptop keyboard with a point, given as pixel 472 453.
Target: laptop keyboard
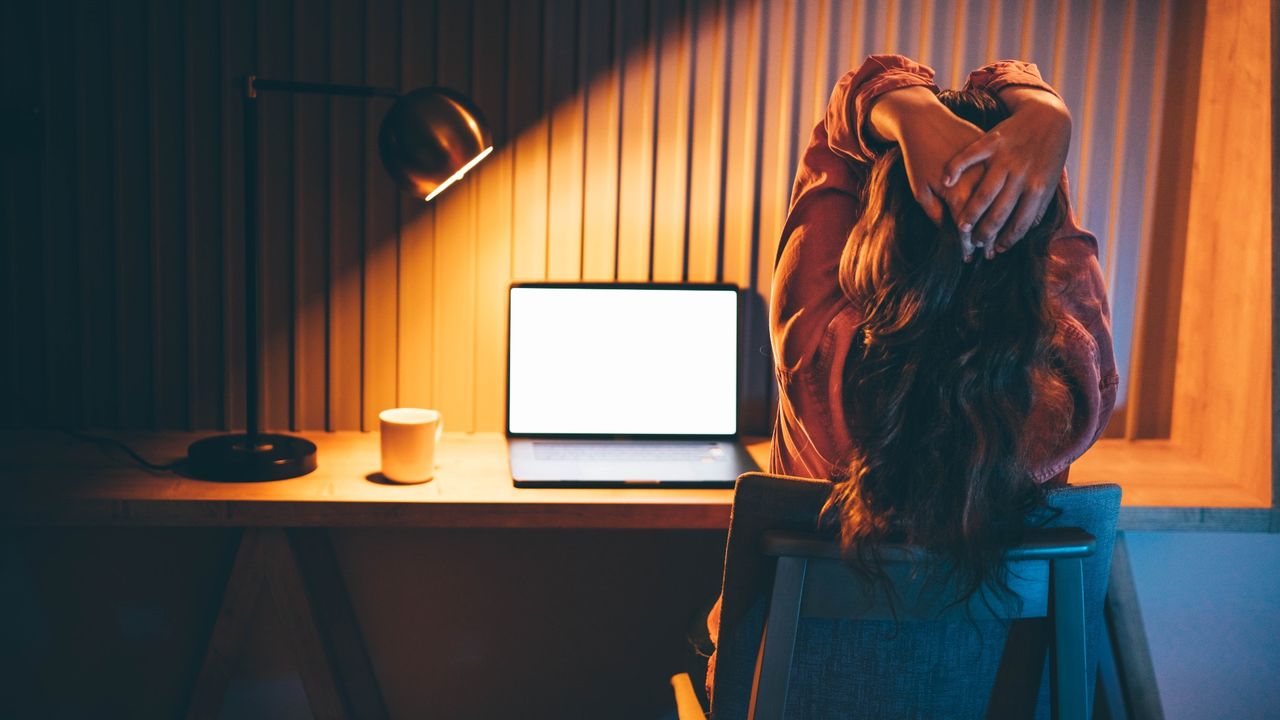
pixel 625 452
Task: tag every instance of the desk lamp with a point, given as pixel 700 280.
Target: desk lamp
pixel 428 140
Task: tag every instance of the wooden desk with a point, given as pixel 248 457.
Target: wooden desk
pixel 285 552
pixel 52 480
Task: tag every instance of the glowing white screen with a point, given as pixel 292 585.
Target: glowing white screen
pixel 623 361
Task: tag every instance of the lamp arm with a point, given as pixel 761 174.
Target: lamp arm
pixel 254 85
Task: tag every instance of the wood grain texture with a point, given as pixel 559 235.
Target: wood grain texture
pixel 53 480
pixel 1222 392
pixel 381 232
pixel 453 306
pixel 61 281
pixel 204 221
pixel 276 233
pixel 346 229
pixel 310 219
pixel 416 262
pixel 638 45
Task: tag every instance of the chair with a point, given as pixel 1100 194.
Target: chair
pixel 832 645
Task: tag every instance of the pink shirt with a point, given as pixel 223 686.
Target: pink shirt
pixel 814 326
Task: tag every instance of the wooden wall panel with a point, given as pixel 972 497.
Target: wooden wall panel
pixel 381 221
pixel 1222 398
pixel 706 144
pixel 61 322
pixel 165 86
pixel 565 165
pixel 638 47
pixel 493 219
pixel 277 236
pixel 600 77
pixel 671 140
pixel 204 229
pixel 416 326
pixel 310 221
pixel 130 183
pixel 453 342
pixel 647 140
pixel 346 209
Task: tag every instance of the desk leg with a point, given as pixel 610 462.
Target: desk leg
pixel 298 569
pixel 1128 639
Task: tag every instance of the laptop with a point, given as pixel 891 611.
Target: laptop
pixel 624 384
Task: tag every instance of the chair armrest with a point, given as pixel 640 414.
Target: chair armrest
pixel 1039 544
pixel 687 705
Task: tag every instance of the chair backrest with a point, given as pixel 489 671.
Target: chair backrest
pixel 855 655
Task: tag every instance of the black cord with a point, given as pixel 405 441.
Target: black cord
pixel 103 440
pixel 33 410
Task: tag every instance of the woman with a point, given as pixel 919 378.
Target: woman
pixel 940 392
pixel 939 322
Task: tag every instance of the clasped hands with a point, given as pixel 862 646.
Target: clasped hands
pixel 994 186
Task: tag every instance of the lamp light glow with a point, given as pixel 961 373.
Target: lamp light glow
pixel 458 175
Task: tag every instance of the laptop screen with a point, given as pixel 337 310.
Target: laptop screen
pixel 622 360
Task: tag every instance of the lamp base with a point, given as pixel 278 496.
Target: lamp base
pixel 232 458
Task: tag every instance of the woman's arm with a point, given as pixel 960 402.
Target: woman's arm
pixel 826 202
pixel 1022 158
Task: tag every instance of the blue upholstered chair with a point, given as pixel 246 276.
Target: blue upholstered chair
pixel 835 647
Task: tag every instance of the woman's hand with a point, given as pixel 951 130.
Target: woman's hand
pixel 929 135
pixel 1022 160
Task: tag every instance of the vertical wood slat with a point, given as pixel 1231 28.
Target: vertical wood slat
pixel 346 212
pixel 742 143
pixel 205 228
pixel 492 217
pixel 454 302
pixel 416 263
pixel 131 185
pixel 637 45
pixel 21 313
pixel 778 68
pixel 706 211
pixel 1222 395
pixel 564 106
pixel 236 29
pixel 61 278
pixel 528 138
pixel 825 69
pixel 1087 108
pixel 310 218
pixel 599 74
pixel 671 140
pixel 1145 386
pixel 1126 160
pixel 94 209
pixel 168 252
pixel 381 222
pixel 276 239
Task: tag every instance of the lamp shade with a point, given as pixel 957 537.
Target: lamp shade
pixel 430 138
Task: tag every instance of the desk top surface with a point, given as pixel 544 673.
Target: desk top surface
pixel 52 479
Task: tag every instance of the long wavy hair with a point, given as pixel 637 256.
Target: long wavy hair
pixel 952 358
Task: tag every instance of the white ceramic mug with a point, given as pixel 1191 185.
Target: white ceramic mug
pixel 409 438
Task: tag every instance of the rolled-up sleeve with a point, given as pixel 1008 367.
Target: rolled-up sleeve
pixel 1008 73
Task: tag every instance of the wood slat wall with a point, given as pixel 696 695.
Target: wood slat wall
pixel 635 140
